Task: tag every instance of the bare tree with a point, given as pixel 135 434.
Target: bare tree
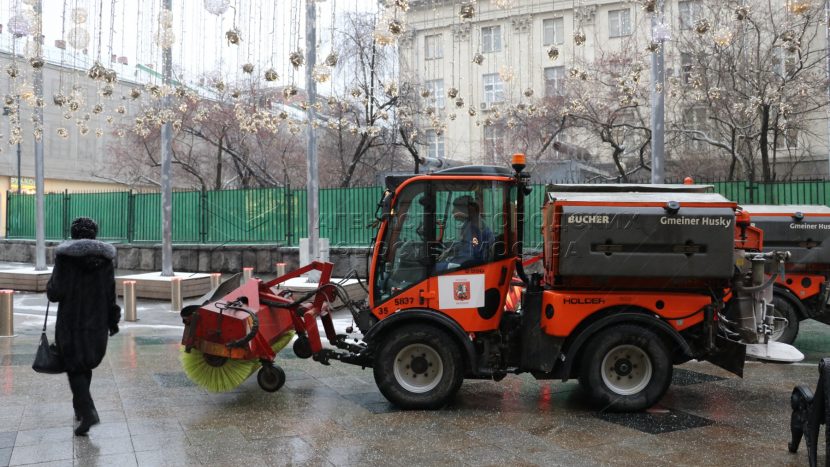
pixel 753 73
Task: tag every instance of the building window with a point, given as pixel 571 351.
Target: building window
pixel 553 31
pixel 432 47
pixel 493 88
pixel 619 23
pixel 435 144
pixel 784 62
pixel 436 93
pixel 492 142
pixel 787 139
pixel 689 12
pixel 685 66
pixel 695 120
pixel 491 39
pixel 554 81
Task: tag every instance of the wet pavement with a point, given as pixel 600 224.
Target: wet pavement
pixel 151 414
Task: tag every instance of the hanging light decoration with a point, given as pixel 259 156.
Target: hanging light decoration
pixel 506 73
pixel 271 75
pixel 135 93
pixel 723 37
pixel 289 91
pixel 19 25
pixel 478 58
pixel 504 4
pixel 59 99
pixel 741 12
pixel 296 58
pixel 356 92
pixel 331 59
pixel 321 73
pixel 78 37
pixel 79 15
pixel 12 71
pixel 467 11
pixel 63 133
pixel 248 68
pixel 528 92
pixel 459 102
pixel 107 90
pixel 553 53
pixel 217 7
pixel 395 26
pixel 579 38
pixel 702 26
pixel 452 93
pixel 97 71
pixel 233 36
pixel 36 62
pixel 798 7
pixel 425 93
pixel 165 38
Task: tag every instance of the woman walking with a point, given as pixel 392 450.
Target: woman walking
pixel 83 283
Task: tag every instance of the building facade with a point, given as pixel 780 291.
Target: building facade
pixel 513 53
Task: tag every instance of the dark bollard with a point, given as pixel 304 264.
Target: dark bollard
pixel 808 416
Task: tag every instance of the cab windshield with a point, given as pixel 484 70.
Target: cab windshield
pixel 443 226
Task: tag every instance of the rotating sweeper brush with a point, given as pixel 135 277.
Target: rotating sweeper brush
pixel 239 330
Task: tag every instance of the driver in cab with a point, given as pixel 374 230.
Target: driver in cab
pixel 474 240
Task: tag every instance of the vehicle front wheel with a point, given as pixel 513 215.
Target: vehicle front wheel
pixel 784 331
pixel 418 367
pixel 625 368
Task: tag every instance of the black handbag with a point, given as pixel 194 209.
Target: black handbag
pixel 48 358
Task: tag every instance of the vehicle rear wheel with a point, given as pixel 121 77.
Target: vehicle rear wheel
pixel 418 367
pixel 784 331
pixel 625 368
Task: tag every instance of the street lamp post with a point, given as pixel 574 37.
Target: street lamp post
pixel 660 33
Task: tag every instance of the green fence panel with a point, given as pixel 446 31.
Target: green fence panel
pixel 147 217
pixel 346 215
pixel 279 215
pixel 187 217
pixel 20 216
pixel 108 209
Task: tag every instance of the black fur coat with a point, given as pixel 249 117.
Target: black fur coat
pixel 83 282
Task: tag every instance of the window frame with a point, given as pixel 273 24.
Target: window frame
pixel 558 31
pixel 558 80
pixel 496 94
pixel 493 42
pixel 619 23
pixel 437 50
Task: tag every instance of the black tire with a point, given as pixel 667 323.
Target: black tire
pixel 270 378
pixel 429 367
pixel 784 309
pixel 638 368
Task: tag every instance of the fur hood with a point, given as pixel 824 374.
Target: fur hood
pixel 86 247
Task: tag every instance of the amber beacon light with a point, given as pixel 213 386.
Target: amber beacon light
pixel 518 162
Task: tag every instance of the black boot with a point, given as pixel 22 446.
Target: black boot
pixel 77 415
pixel 87 421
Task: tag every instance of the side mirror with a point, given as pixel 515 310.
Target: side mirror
pixel 386 205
